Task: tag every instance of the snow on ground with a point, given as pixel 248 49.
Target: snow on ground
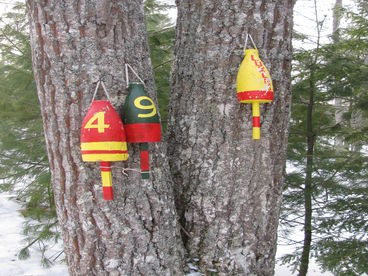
pixel 280 270
pixel 12 241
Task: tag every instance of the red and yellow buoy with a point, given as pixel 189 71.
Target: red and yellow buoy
pixel 254 85
pixel 103 140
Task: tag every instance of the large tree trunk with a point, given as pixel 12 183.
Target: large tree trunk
pixel 228 186
pixel 74 43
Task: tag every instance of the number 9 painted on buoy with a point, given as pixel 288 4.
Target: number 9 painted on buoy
pixel 141 122
pixel 138 104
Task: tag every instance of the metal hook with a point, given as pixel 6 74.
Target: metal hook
pixel 124 172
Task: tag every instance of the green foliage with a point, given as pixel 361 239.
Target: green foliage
pixel 345 257
pixel 24 166
pixel 337 70
pixel 161 33
pixel 23 160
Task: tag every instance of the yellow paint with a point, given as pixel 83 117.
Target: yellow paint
pixel 256 133
pixel 100 125
pixel 256 113
pixel 139 105
pixel 104 157
pixel 255 109
pixel 258 101
pixel 104 146
pixel 253 75
pixel 106 179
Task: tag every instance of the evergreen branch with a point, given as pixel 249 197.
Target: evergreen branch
pixel 328 127
pixel 41 164
pixel 293 221
pixel 162 64
pixel 9 40
pixel 31 243
pixel 161 30
pixel 327 180
pixel 18 174
pixel 31 138
pixel 61 252
pixel 290 241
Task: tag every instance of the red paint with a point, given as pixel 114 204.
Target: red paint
pixel 255 95
pixel 105 167
pixel 143 132
pixel 256 122
pixel 115 131
pixel 104 151
pixel 108 193
pixel 144 160
pixel 261 69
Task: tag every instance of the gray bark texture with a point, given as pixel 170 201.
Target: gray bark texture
pixel 228 187
pixel 74 44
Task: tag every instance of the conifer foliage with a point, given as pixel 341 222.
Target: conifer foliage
pixel 330 181
pixel 24 167
pixel 23 160
pixel 161 32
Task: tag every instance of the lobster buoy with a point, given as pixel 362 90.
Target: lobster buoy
pixel 142 123
pixel 254 85
pixel 103 140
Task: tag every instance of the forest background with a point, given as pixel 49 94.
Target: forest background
pixel 329 110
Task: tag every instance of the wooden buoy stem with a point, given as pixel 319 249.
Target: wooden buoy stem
pixel 144 157
pixel 256 121
pixel 106 177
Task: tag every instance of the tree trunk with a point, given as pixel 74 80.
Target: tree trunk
pixel 339 112
pixel 227 186
pixel 304 261
pixel 74 44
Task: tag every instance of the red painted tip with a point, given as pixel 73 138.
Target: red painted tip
pixel 144 160
pixel 108 193
pixel 256 122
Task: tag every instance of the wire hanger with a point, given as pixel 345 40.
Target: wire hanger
pixel 104 88
pixel 127 66
pixel 251 39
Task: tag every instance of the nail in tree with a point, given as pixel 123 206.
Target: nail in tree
pixel 103 140
pixel 141 121
pixel 254 85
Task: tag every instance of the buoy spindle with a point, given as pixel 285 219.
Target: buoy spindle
pixel 106 177
pixel 144 157
pixel 256 121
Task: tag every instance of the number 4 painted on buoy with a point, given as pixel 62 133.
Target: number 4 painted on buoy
pixel 100 125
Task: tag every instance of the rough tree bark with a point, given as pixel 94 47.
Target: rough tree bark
pixel 74 43
pixel 228 187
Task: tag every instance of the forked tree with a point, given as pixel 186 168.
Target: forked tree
pixel 228 186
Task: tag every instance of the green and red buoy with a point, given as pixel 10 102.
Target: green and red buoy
pixel 141 122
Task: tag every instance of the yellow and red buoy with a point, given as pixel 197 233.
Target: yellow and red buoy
pixel 103 140
pixel 254 85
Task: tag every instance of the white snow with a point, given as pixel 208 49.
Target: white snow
pixel 11 238
pixel 12 241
